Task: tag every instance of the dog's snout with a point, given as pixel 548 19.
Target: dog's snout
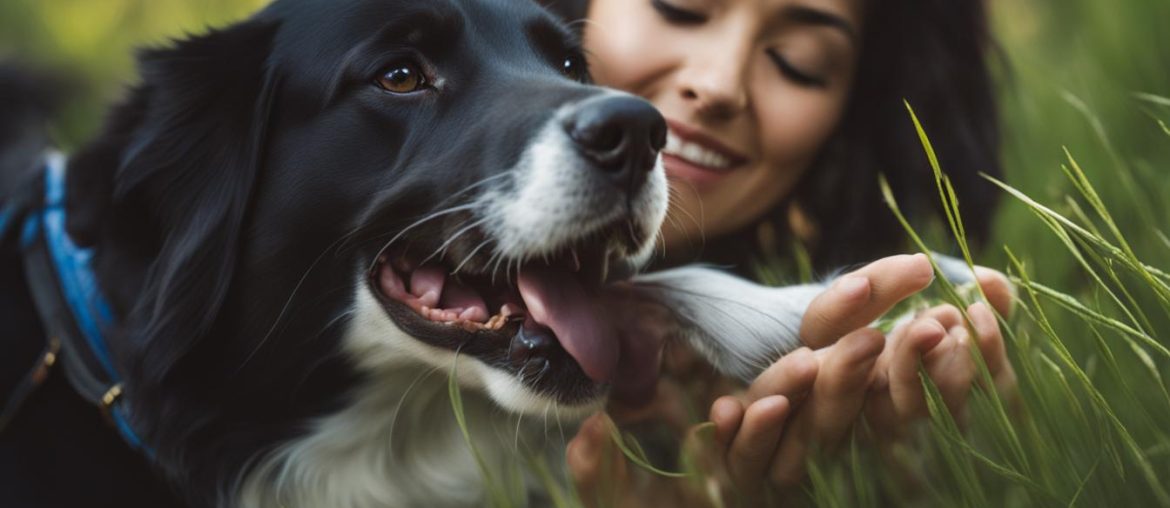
pixel 620 135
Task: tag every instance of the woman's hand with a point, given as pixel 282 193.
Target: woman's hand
pixel 811 398
pixel 864 370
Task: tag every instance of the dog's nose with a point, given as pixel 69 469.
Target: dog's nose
pixel 621 135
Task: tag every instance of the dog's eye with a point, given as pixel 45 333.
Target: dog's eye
pixel 404 77
pixel 575 68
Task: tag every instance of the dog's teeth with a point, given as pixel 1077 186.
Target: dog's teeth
pixel 576 262
pixel 477 314
pixel 460 297
pixel 604 269
pixel 392 284
pixel 427 284
pixel 508 310
pixel 497 322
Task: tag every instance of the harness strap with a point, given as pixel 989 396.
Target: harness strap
pixel 69 301
pixel 32 380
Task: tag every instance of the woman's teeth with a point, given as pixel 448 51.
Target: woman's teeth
pixel 694 153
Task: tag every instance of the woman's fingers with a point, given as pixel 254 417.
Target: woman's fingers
pixel 999 291
pixel 597 467
pixel 991 344
pixel 792 376
pixel 750 453
pixel 841 385
pixel 993 349
pixel 906 395
pixel 727 415
pixel 952 369
pixel 947 315
pixel 856 299
pixel 752 434
pixel 832 406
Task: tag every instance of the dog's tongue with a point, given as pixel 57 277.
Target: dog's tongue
pixel 558 301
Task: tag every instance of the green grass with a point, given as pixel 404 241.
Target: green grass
pixel 1091 429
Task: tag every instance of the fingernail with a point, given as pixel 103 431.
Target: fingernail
pixel 981 272
pixel 853 285
pixel 773 404
pixel 960 334
pixel 976 308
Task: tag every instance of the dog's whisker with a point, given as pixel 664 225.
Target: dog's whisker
pixel 454 196
pixel 472 186
pixel 557 413
pixel 418 223
pixel 498 256
pixel 674 201
pixel 285 307
pixel 516 439
pixel 402 400
pixel 453 239
pixel 673 220
pixel 699 199
pixel 471 255
pixel 547 407
pixel 440 204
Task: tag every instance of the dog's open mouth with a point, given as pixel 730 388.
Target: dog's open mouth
pixel 545 314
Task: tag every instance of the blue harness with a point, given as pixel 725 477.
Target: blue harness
pixel 68 299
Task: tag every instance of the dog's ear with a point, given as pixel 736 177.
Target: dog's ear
pixel 187 155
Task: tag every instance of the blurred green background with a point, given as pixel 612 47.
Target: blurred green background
pixel 1074 66
pixel 1076 69
pixel 1089 75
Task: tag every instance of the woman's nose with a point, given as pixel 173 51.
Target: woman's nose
pixel 715 82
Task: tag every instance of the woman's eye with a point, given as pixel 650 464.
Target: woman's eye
pixel 575 68
pixel 403 78
pixel 676 15
pixel 796 75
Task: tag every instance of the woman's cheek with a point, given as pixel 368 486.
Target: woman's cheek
pixel 622 49
pixel 795 125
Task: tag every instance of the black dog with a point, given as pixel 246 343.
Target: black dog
pixel 294 231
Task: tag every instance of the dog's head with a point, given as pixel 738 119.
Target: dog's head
pixel 486 189
pixel 369 183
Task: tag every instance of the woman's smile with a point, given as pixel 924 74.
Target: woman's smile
pixel 698 158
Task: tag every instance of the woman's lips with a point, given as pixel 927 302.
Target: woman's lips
pixel 697 158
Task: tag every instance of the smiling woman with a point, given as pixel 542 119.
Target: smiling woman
pixel 751 90
pixel 784 112
pixel 781 115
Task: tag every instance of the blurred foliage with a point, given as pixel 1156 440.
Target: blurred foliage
pixel 1074 69
pixel 90 44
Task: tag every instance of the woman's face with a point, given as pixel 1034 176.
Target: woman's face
pixel 751 90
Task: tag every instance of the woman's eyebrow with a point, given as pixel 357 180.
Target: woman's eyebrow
pixel 805 15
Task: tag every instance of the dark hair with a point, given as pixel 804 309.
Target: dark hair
pixel 933 54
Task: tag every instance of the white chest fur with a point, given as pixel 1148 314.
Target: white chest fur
pixel 397 443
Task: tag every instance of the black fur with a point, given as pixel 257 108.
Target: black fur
pixel 229 200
